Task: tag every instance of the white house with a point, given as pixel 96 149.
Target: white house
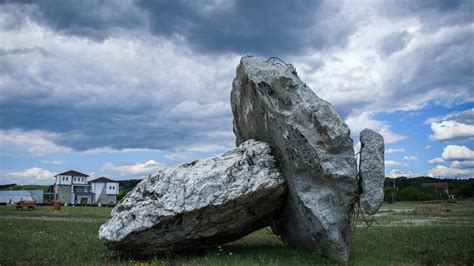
pixel 105 190
pixel 72 187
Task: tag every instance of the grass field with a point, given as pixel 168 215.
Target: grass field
pixel 406 233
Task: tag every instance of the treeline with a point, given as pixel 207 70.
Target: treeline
pixel 412 189
pixel 45 188
pixel 396 189
pixel 125 186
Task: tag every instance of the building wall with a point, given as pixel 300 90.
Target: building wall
pixel 112 188
pixel 63 180
pixel 97 189
pixel 82 180
pixel 78 197
pixel 63 193
pixel 106 199
pixel 68 180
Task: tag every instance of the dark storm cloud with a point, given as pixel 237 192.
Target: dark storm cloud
pixel 443 67
pixel 19 51
pixel 94 19
pixel 260 27
pixel 85 129
pixel 169 88
pixel 394 42
pixel 263 27
pixel 433 14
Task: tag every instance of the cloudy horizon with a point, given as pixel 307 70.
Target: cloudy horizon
pixel 124 88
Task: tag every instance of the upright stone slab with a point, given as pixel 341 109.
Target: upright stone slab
pixel 372 170
pixel 199 204
pixel 313 148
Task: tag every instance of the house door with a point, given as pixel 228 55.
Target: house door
pixel 83 200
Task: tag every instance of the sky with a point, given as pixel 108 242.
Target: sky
pixel 124 88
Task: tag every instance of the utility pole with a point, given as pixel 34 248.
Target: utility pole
pixel 393 200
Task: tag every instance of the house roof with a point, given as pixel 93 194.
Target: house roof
pixel 438 185
pixel 72 173
pixel 102 179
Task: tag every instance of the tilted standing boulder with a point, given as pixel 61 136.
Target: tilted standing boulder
pixel 199 204
pixel 372 170
pixel 314 150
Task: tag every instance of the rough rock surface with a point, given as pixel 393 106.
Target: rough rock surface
pixel 198 204
pixel 372 170
pixel 314 150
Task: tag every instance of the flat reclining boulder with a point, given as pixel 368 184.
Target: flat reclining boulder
pixel 372 170
pixel 199 204
pixel 313 148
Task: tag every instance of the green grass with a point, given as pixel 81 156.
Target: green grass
pixel 102 213
pixel 70 237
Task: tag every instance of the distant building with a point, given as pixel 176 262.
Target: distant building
pixel 72 187
pixel 14 196
pixel 453 193
pixel 105 190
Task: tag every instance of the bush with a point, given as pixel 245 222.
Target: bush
pixel 390 194
pixel 421 193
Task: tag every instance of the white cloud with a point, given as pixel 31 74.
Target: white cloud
pixel 391 151
pixel 399 173
pixel 436 160
pixel 462 164
pixel 449 172
pixel 391 163
pixel 29 142
pixel 135 169
pixel 465 117
pixel 410 158
pixel 181 156
pixel 447 130
pixel 110 150
pixel 423 68
pixel 455 152
pixel 154 81
pixel 57 162
pixel 32 175
pixel 428 147
pixel 357 123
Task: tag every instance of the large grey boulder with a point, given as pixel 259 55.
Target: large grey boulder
pixel 199 204
pixel 371 170
pixel 313 148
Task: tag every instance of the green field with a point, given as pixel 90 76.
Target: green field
pixel 406 233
